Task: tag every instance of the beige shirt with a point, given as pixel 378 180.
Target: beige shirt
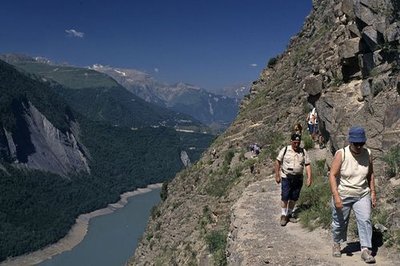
pixel 353 174
pixel 293 162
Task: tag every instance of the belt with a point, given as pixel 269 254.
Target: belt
pixel 294 176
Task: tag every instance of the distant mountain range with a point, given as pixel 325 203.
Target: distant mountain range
pixel 215 110
pixel 99 97
pixel 186 104
pixel 236 91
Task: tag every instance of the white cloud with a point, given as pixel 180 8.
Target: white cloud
pixel 74 33
pixel 253 65
pixel 156 70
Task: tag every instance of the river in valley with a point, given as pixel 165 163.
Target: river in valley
pixel 111 239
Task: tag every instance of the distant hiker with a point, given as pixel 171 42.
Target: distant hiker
pixel 213 153
pixel 352 184
pixel 255 149
pixel 289 168
pixel 298 129
pixel 312 122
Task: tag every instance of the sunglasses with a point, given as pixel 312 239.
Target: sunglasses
pixel 358 144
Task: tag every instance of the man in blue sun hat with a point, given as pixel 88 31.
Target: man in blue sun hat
pixel 352 185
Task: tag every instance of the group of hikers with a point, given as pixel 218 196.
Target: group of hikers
pixel 351 181
pixel 255 149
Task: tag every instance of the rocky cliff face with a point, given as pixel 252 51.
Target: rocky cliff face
pixel 37 144
pixel 345 62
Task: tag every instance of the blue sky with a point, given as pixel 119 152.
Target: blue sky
pixel 208 43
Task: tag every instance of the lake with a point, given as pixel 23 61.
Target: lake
pixel 112 238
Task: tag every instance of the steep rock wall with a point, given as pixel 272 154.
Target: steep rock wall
pixel 37 144
pixel 346 64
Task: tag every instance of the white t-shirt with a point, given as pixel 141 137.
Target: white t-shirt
pixel 313 117
pixel 353 173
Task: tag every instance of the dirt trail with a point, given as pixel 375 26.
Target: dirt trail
pixel 258 239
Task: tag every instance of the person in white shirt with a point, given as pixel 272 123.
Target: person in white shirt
pixel 289 168
pixel 312 123
pixel 352 185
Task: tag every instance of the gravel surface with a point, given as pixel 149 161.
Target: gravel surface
pixel 257 238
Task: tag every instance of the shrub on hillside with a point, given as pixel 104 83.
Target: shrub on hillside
pixel 314 201
pixel 272 61
pixel 308 142
pixel 216 242
pixel 392 159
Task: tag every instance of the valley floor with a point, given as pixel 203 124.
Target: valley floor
pixel 76 233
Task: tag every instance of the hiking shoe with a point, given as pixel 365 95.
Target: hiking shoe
pixel 366 256
pixel 284 220
pixel 336 250
pixel 292 219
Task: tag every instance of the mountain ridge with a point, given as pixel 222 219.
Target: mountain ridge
pixel 99 97
pixel 205 106
pixel 346 64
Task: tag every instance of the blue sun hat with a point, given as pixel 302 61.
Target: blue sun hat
pixel 357 135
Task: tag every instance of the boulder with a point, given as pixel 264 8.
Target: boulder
pixel 364 14
pixel 392 116
pixel 392 33
pixel 365 88
pixel 348 8
pixel 378 57
pixel 353 31
pixel 337 10
pixel 380 24
pixel 185 159
pixel 370 36
pixel 350 48
pixel 313 85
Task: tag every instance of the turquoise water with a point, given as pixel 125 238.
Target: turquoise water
pixel 111 239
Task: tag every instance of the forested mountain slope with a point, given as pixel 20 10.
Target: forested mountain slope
pixel 345 63
pixel 56 163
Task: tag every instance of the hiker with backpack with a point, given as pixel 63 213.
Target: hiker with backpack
pixel 352 185
pixel 289 168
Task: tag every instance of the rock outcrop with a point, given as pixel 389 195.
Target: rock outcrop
pixel 37 144
pixel 345 63
pixel 185 159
